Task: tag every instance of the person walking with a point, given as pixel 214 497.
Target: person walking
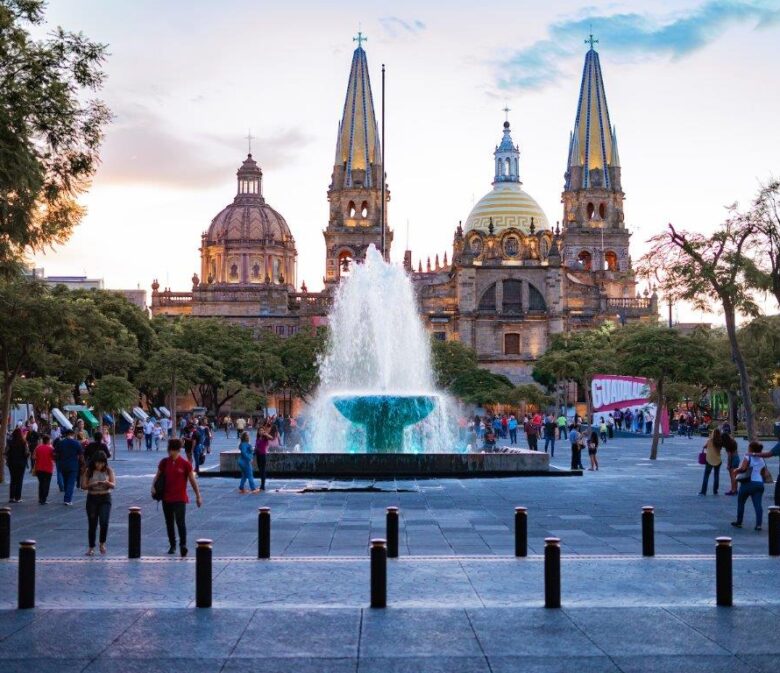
pixel 562 426
pixel 43 458
pixel 17 456
pixel 262 441
pixel 69 454
pixel 713 461
pixel 751 486
pixel 175 472
pixel 574 441
pixel 511 425
pixel 732 460
pixel 593 447
pixel 98 481
pixel 603 430
pixel 550 429
pixel 148 432
pixel 94 447
pixel 246 453
pixel 531 434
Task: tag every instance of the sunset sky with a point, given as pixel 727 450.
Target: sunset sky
pixel 693 90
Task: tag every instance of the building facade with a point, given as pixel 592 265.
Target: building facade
pixel 509 284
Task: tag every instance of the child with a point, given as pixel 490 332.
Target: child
pixel 129 438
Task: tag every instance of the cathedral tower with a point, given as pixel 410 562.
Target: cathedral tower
pixel 355 192
pixel 595 235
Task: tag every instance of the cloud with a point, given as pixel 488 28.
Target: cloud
pixel 395 27
pixel 140 148
pixel 631 34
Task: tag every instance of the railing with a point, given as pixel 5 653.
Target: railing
pixel 309 302
pixel 636 303
pixel 167 298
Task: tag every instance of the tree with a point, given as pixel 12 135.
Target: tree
pixel 266 369
pixel 530 394
pixel 300 356
pixel 43 392
pixel 763 218
pixel 50 130
pixel 701 269
pixel 450 360
pixel 112 393
pixel 663 355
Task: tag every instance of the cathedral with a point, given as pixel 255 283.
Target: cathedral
pixel 512 280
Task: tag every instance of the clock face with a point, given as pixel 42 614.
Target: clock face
pixel 475 244
pixel 511 246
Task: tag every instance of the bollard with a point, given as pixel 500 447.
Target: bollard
pixel 521 531
pixel 392 532
pixel 203 573
pixel 378 573
pixel 26 574
pixel 773 523
pixel 648 531
pixel 263 532
pixel 5 532
pixel 134 533
pixel 552 572
pixel 723 578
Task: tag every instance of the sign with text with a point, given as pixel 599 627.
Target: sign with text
pixel 610 393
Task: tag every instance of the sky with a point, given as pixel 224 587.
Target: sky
pixel 692 87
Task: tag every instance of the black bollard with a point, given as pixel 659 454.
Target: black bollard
pixel 5 532
pixel 263 532
pixel 723 578
pixel 203 573
pixel 26 574
pixel 378 573
pixel 134 533
pixel 392 532
pixel 552 572
pixel 521 531
pixel 773 523
pixel 648 531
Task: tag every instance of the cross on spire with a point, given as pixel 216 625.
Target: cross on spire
pixel 249 139
pixel 360 39
pixel 591 41
pixel 506 110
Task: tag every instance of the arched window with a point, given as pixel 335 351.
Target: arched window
pixel 611 260
pixel 602 210
pixel 586 260
pixel 488 300
pixel 512 344
pixel 591 210
pixel 364 209
pixel 536 300
pixel 513 297
pixel 508 166
pixel 345 262
pixel 351 209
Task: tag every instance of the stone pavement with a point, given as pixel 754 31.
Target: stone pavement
pixel 458 602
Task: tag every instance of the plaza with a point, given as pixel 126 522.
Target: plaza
pixel 458 600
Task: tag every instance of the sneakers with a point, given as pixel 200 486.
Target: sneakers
pixel 736 524
pixel 172 549
pixel 183 552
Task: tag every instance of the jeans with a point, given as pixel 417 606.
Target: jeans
pixel 98 511
pixel 44 481
pixel 261 460
pixel 69 476
pixel 176 511
pixel 60 479
pixel 549 440
pixel 196 453
pixel 561 431
pixel 532 442
pixel 513 435
pixel 148 439
pixel 17 479
pixel 715 480
pixel 755 491
pixel 246 474
pixel 575 456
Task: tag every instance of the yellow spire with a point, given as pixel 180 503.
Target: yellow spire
pixel 357 148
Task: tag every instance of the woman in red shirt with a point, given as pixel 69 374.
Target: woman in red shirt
pixel 43 457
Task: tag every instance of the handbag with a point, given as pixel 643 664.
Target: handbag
pixel 767 475
pixel 703 457
pixel 159 485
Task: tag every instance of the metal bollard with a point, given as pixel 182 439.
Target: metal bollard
pixel 552 572
pixel 134 533
pixel 521 531
pixel 773 523
pixel 26 574
pixel 5 532
pixel 378 573
pixel 392 532
pixel 648 531
pixel 724 592
pixel 263 532
pixel 203 573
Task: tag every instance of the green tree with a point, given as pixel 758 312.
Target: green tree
pixel 111 394
pixel 50 129
pixel 451 360
pixel 664 355
pixel 43 392
pixel 266 369
pixel 703 269
pixel 300 356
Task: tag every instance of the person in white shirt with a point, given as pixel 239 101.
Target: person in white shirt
pixel 751 485
pixel 165 425
pixel 149 433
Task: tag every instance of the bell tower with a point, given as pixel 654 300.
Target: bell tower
pixel 595 237
pixel 355 192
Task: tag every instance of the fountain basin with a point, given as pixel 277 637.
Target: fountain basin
pixel 384 417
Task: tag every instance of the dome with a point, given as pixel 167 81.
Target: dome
pixel 249 218
pixel 508 206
